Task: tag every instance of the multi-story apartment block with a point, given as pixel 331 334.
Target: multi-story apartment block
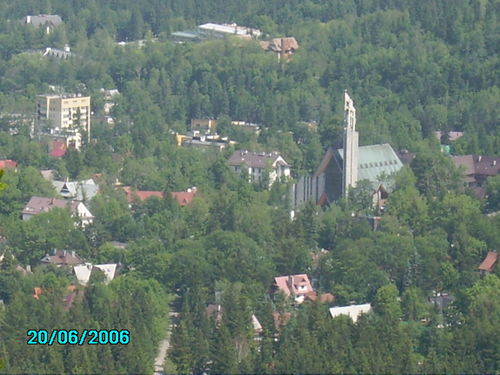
pixel 63 114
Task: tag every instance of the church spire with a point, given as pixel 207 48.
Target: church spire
pixel 351 140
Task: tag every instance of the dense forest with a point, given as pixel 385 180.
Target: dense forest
pixel 412 66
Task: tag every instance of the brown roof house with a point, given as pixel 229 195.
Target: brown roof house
pixel 477 169
pixel 38 205
pixel 62 258
pixel 488 264
pixel 257 163
pixel 283 47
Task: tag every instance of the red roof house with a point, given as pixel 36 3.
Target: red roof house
pixel 295 286
pixel 489 262
pixel 182 197
pixel 8 164
pixel 58 148
pixel 140 194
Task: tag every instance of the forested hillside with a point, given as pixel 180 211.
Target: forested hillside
pixel 412 67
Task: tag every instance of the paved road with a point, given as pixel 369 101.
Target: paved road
pixel 165 343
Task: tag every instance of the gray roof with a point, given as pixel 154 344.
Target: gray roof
pixel 37 205
pixel 42 19
pixel 255 159
pixel 375 160
pixel 79 190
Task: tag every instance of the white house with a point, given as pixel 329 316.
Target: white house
pixel 353 311
pixel 84 271
pixel 258 163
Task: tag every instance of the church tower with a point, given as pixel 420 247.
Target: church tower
pixel 351 139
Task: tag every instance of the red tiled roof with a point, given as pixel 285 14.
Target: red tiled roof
pixel 184 197
pixel 58 149
pixel 141 194
pixel 294 284
pixel 489 262
pixel 6 164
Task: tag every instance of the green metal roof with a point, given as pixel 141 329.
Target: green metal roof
pixel 374 160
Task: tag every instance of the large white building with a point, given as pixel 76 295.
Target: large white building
pixel 64 114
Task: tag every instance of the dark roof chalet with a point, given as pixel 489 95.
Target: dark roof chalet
pixel 62 258
pixel 478 164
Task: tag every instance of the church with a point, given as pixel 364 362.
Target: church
pixel 343 168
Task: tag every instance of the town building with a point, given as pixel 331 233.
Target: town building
pixel 342 169
pixel 61 258
pixel 255 128
pixel 38 205
pixel 203 140
pixel 477 168
pixel 64 116
pixel 215 30
pixel 488 264
pixel 83 272
pixel 48 21
pixel 79 190
pixel 282 47
pixel 296 287
pixel 59 53
pixel 353 311
pixel 257 164
pixel 204 125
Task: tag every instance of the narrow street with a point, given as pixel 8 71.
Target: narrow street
pixel 165 343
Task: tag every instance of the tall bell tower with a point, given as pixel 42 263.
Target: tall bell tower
pixel 351 150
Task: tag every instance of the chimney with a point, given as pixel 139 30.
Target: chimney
pixel 52 201
pixel 73 253
pixel 494 162
pixel 28 268
pixel 282 49
pixel 479 158
pixel 28 19
pixel 64 252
